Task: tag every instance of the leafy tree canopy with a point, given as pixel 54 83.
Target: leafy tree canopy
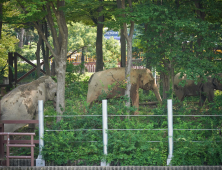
pixel 7 44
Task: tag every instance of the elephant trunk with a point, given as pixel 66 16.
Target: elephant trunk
pixel 156 92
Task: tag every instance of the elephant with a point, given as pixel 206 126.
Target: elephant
pixel 102 80
pixel 22 102
pixel 202 89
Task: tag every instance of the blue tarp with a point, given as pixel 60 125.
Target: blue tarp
pixel 112 33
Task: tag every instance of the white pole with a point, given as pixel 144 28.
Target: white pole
pixel 170 130
pixel 105 128
pixel 39 160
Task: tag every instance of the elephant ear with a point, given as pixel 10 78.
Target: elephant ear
pixel 51 88
pixel 147 77
pixel 217 82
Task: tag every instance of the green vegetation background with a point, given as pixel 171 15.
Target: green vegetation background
pixel 130 147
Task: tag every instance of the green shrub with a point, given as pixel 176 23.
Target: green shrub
pixel 125 147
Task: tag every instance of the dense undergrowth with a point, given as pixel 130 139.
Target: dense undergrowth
pixel 79 141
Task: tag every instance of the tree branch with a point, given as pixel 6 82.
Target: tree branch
pixel 44 38
pixel 131 29
pixel 52 27
pixel 57 14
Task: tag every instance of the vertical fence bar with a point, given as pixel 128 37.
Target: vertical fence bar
pixel 170 130
pixel 7 154
pixel 39 160
pixel 105 128
pixel 1 137
pixel 32 151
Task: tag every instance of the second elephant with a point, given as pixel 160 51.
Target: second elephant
pixel 115 78
pixel 202 89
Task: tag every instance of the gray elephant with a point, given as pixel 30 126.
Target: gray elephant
pixel 202 89
pixel 115 77
pixel 22 102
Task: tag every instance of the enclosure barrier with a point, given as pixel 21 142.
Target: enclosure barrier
pixel 32 145
pixel 40 161
pixel 114 168
pixel 170 131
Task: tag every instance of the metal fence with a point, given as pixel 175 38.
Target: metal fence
pixel 105 127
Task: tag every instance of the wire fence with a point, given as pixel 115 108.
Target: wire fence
pixel 170 127
pixel 130 116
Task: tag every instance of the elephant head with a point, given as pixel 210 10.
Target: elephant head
pixel 147 82
pixel 204 89
pixel 217 82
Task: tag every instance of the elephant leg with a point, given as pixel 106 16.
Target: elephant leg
pixel 134 94
pixel 210 95
pixel 202 99
pixel 156 92
pixel 91 98
pixel 180 94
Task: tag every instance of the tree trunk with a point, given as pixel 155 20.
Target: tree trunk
pixel 45 53
pixel 123 49
pixel 21 37
pixel 1 15
pixel 82 62
pixel 60 74
pixel 59 51
pixel 37 53
pixel 99 42
pixel 165 84
pixel 53 73
pixel 129 53
pixel 128 70
pixel 201 15
pixel 166 78
pixel 122 41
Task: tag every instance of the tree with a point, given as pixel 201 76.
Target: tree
pixel 81 35
pixel 7 44
pixel 122 41
pixel 93 13
pixel 111 52
pixel 177 38
pixel 35 12
pixel 129 50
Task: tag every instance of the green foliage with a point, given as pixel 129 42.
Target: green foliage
pixel 28 51
pixel 81 35
pixel 130 147
pixel 111 53
pixel 7 44
pixel 76 82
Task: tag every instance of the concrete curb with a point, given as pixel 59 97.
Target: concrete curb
pixel 114 168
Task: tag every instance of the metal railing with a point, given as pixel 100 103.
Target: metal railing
pixel 105 127
pixel 9 145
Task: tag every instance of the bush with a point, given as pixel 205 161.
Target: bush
pixel 131 147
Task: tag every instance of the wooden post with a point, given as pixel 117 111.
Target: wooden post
pixel 1 137
pixel 15 66
pixel 32 151
pixel 7 155
pixel 10 63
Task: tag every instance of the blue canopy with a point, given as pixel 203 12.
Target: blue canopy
pixel 111 33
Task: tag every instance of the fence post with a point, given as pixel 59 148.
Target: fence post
pixel 39 160
pixel 170 130
pixel 105 128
